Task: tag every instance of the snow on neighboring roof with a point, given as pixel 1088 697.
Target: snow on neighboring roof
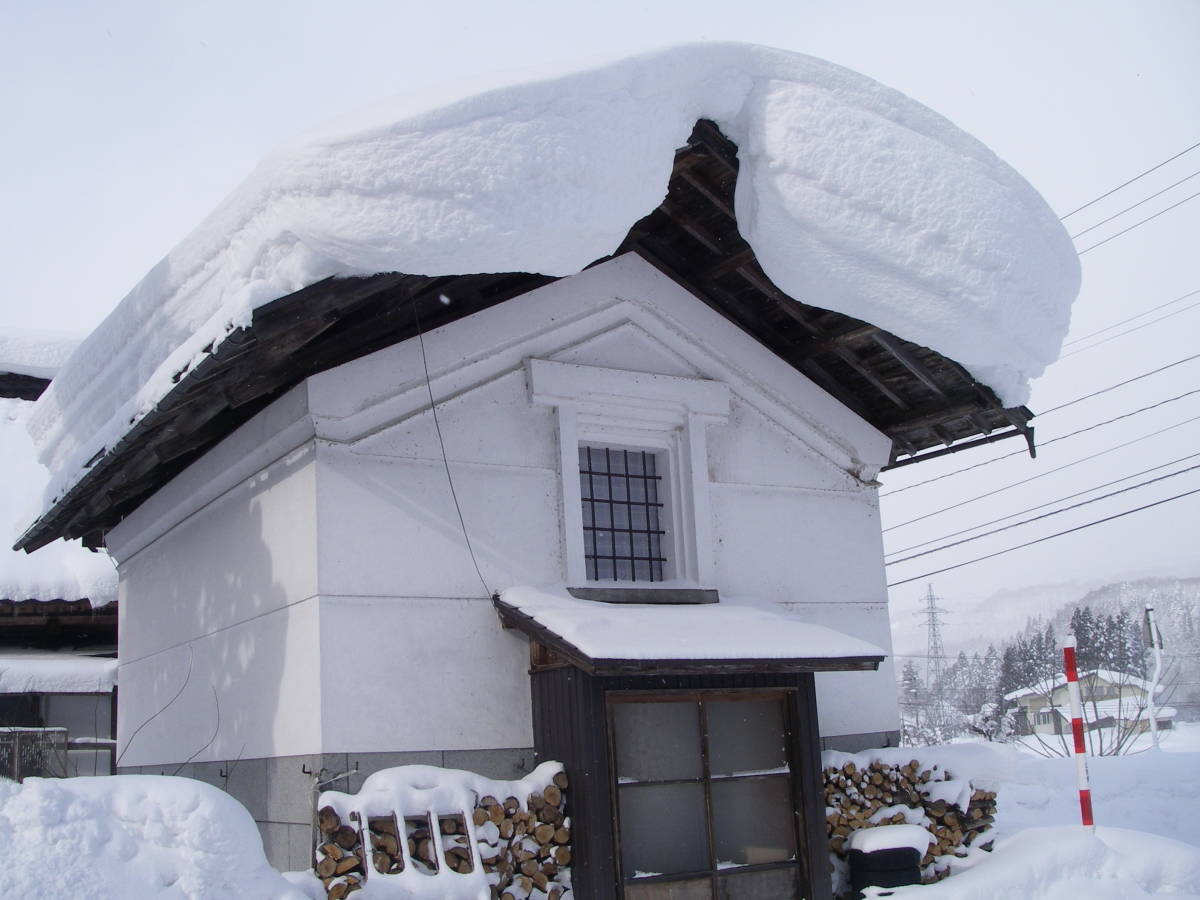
pixel 62 570
pixel 1117 709
pixel 1121 679
pixel 30 671
pixel 854 197
pixel 153 837
pixel 36 353
pixel 725 630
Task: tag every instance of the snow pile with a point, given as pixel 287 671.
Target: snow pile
pixel 1066 861
pixel 725 630
pixel 124 836
pixel 854 197
pixel 891 837
pixel 61 571
pixel 36 353
pixel 30 671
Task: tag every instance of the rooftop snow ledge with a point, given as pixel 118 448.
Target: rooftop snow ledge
pixel 854 197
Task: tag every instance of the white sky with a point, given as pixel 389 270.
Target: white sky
pixel 126 122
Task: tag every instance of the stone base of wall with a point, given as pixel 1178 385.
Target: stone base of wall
pixel 279 794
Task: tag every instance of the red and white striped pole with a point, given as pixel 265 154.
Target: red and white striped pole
pixel 1081 771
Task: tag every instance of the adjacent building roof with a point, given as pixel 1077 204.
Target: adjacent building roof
pixel 864 239
pixel 631 638
pixel 1121 679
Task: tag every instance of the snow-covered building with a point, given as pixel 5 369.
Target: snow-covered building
pixel 546 425
pixel 58 618
pixel 1110 700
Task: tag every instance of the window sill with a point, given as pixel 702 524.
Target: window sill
pixel 648 595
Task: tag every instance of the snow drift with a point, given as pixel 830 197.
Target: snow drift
pixel 854 197
pixel 122 836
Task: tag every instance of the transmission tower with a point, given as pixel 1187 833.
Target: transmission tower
pixel 935 655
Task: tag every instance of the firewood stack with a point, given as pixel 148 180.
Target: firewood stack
pixel 525 852
pixel 855 796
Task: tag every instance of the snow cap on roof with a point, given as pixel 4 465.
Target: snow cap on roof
pixel 36 353
pixel 854 197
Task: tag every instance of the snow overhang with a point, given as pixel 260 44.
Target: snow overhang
pixel 604 638
pixel 31 672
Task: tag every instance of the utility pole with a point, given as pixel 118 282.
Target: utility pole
pixel 1154 643
pixel 935 655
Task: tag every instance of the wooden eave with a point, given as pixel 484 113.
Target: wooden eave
pixel 512 617
pixel 926 403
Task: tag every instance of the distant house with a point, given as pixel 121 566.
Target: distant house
pixel 1110 699
pixel 58 611
pixel 554 468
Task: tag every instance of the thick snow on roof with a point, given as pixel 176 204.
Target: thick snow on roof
pixel 60 571
pixel 725 630
pixel 1122 679
pixel 31 671
pixel 36 353
pixel 854 197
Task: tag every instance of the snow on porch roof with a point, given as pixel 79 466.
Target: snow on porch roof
pixel 34 672
pixel 850 197
pixel 726 637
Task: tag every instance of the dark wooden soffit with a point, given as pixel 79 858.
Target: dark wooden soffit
pixel 22 387
pixel 926 403
pixel 512 617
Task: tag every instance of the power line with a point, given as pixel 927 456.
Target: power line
pixel 1048 537
pixel 1042 505
pixel 988 462
pixel 1132 487
pixel 1084 337
pixel 1134 206
pixel 1139 224
pixel 1119 334
pixel 1130 181
pixel 1014 484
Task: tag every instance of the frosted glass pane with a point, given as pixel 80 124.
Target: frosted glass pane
pixel 662 829
pixel 773 884
pixel 657 741
pixel 746 736
pixel 687 889
pixel 752 820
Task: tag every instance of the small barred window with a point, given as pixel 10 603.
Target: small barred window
pixel 623 518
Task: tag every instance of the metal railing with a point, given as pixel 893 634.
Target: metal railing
pixel 33 752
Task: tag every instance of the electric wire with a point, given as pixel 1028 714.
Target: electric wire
pixel 1124 490
pixel 1084 337
pixel 1113 237
pixel 1134 206
pixel 1130 181
pixel 1048 537
pixel 442 444
pixel 988 462
pixel 1096 487
pixel 1121 334
pixel 1014 484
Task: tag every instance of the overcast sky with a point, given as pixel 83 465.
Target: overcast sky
pixel 125 123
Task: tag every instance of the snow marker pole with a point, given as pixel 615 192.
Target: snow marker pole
pixel 1155 642
pixel 1081 771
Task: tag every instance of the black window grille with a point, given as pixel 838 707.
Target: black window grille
pixel 622 514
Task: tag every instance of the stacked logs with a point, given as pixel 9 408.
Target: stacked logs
pixel 861 797
pixel 525 852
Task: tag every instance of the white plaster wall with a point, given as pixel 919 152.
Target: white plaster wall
pixel 224 592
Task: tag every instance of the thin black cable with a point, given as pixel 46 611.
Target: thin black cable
pixel 1014 484
pixel 1120 334
pixel 1020 512
pixel 1048 537
pixel 1130 181
pixel 1092 334
pixel 1124 490
pixel 1051 409
pixel 1134 206
pixel 442 444
pixel 1112 237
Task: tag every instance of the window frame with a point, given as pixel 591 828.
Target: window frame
pixel 787 698
pixel 597 406
pixel 664 491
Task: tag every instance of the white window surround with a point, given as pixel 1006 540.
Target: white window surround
pixel 597 406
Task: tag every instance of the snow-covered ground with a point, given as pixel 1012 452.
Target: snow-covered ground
pixel 1147 841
